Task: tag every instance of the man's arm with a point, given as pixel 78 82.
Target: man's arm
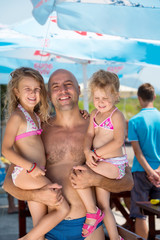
pixel 83 177
pixel 142 160
pixel 49 195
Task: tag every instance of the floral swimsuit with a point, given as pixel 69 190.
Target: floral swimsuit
pixel 120 162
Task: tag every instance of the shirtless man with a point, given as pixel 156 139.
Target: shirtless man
pixel 63 141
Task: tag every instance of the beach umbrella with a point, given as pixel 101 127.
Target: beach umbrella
pixel 83 48
pixel 89 46
pixel 51 62
pixel 126 18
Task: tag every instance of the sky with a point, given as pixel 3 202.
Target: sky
pixel 9 9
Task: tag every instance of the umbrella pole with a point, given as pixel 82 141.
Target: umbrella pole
pixel 85 94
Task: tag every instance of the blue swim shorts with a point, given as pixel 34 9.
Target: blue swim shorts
pixel 143 190
pixel 68 229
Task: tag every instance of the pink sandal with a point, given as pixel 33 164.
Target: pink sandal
pixel 99 215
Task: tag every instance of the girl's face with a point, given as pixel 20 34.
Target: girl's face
pixel 103 100
pixel 28 92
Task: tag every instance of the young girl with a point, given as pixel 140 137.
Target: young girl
pixel 106 134
pixel 22 145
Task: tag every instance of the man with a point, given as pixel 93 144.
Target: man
pixel 144 134
pixel 63 140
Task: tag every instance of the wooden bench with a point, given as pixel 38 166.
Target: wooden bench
pixel 23 213
pixel 128 235
pixel 115 198
pixel 157 238
pixel 152 211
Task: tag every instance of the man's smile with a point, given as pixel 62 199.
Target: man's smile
pixel 64 98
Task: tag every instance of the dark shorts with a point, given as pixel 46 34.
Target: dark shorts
pixel 68 230
pixel 143 190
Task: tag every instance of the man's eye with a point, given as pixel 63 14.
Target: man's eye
pixel 27 89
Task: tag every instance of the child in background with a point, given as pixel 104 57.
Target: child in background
pixel 144 135
pixel 103 149
pixel 23 147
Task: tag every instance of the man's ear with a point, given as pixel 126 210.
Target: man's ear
pixel 79 90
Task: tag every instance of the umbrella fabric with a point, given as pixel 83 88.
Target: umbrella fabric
pixel 129 19
pixel 87 45
pixel 8 64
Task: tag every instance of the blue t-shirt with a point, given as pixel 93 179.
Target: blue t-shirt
pixel 144 127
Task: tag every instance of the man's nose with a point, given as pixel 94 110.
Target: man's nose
pixel 63 88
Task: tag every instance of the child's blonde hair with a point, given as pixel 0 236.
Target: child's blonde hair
pixel 12 101
pixel 102 79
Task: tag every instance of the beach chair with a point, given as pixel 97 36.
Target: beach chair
pixel 128 235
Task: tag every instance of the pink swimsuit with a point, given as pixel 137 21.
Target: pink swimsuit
pixel 106 124
pixel 120 162
pixel 32 129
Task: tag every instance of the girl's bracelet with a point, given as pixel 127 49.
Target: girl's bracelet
pixel 32 168
pixel 96 153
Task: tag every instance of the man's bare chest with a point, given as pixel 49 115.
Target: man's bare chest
pixel 64 146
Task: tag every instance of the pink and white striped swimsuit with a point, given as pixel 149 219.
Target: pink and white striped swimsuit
pixel 32 128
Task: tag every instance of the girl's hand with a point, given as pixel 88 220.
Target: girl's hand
pixel 84 113
pixel 37 172
pixel 91 159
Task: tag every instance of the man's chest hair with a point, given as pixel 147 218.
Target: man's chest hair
pixel 64 145
pixel 65 150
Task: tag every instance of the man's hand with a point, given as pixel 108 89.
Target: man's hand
pixel 84 113
pixel 82 177
pixel 49 195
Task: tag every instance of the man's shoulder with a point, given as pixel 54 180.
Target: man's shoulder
pixel 48 124
pixel 83 123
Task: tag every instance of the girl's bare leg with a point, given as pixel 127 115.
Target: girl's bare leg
pixel 42 220
pixel 103 199
pixel 38 211
pixel 107 170
pixel 89 201
pixel 98 234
